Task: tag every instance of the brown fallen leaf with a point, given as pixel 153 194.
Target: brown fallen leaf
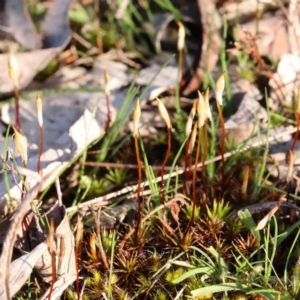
pixel 21 268
pixel 56 31
pixel 63 240
pixel 71 123
pixel 39 258
pixel 10 238
pixel 20 23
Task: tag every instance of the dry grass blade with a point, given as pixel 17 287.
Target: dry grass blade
pixel 262 223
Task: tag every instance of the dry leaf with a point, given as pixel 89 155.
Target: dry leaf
pixel 21 268
pixel 71 122
pixel 23 30
pixel 56 31
pixel 262 223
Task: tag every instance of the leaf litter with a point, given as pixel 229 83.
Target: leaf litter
pixel 74 120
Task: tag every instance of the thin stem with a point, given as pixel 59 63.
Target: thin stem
pixel 190 166
pixel 186 169
pixel 222 149
pixel 40 154
pixel 181 66
pixel 204 158
pixel 163 167
pixel 177 90
pixel 291 153
pixel 40 150
pixel 17 120
pixel 296 134
pixel 194 185
pixel 108 120
pixel 24 181
pixel 138 226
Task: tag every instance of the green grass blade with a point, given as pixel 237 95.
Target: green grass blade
pixel 203 270
pixel 224 287
pixel 249 223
